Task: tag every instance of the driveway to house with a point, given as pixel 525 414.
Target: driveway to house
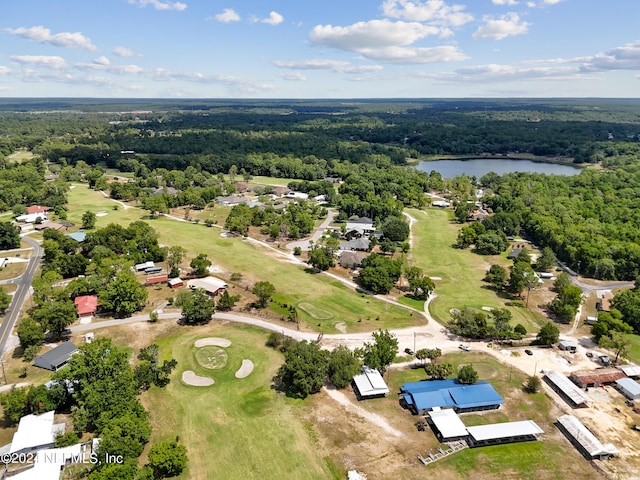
pixel 305 245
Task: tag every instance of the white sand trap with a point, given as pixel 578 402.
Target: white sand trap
pixel 218 342
pixel 245 369
pixel 435 278
pixel 341 327
pixel 190 378
pixel 101 214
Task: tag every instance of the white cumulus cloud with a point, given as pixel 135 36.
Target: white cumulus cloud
pixel 124 52
pixel 274 18
pixel 47 61
pixel 371 34
pixel 41 34
pixel 505 2
pixel 4 70
pixel 160 5
pixel 434 11
pixel 228 15
pixel 500 28
pixel 101 60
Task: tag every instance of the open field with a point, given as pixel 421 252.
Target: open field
pixel 359 312
pixel 236 428
pixel 461 270
pixel 20 156
pixel 259 180
pixel 82 199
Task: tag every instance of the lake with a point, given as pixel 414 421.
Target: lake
pixel 481 166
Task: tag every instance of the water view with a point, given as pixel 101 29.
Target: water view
pixel 481 166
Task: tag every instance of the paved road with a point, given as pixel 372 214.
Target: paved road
pixel 24 284
pixel 305 245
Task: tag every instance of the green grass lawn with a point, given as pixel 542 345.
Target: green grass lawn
pixel 461 270
pixel 20 156
pixel 260 180
pixel 324 303
pixel 82 199
pixel 236 428
pixel 634 348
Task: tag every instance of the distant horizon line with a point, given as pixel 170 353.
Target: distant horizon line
pixel 4 98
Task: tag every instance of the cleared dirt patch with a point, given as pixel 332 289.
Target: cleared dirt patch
pixel 190 378
pixel 216 342
pixel 245 369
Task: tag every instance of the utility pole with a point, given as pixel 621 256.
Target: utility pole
pixel 4 375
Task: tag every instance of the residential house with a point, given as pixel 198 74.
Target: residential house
pixel 350 259
pixel 230 201
pixel 56 358
pixel 86 305
pixel 357 244
pixel 360 227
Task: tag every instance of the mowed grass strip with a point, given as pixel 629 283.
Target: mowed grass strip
pixel 294 285
pixel 462 271
pixel 236 428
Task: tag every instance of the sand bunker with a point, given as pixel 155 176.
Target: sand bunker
pixel 245 369
pixel 190 378
pixel 217 342
pixel 101 214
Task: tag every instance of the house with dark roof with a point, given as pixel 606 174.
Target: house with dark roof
pixel 350 259
pixel 513 254
pixel 56 358
pixel 357 244
pixel 359 227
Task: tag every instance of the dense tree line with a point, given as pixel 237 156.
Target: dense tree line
pixel 590 221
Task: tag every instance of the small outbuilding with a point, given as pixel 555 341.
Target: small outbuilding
pixel 176 282
pixel 369 384
pixel 156 279
pixel 212 285
pixel 35 432
pixel 56 358
pixel 568 346
pixel 141 267
pixel 629 388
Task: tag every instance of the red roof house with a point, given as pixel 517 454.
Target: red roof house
pixel 86 304
pixel 37 209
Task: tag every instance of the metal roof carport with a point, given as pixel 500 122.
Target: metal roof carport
pixel 498 433
pixel 447 425
pixel 584 440
pixel 566 388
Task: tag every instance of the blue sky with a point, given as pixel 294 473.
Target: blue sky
pixel 319 49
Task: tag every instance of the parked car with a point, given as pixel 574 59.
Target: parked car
pixel 464 347
pixel 408 351
pixel 528 352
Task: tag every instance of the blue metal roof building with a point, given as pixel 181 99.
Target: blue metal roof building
pixel 424 396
